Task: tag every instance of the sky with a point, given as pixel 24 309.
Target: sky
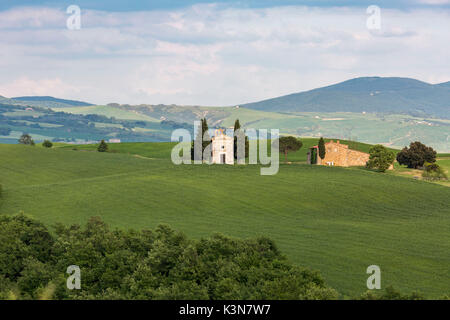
pixel 215 54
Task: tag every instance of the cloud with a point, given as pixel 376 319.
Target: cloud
pixel 434 2
pixel 43 87
pixel 213 54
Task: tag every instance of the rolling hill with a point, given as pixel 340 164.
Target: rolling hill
pixel 49 102
pixel 335 220
pixel 390 111
pixel 367 94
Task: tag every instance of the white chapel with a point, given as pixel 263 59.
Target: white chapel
pixel 222 148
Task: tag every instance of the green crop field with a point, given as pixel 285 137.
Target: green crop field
pixel 162 150
pixel 336 220
pixel 107 112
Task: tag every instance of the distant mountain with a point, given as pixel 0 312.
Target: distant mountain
pixel 49 102
pixel 445 84
pixel 369 94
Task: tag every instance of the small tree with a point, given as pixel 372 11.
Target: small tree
pixel 26 139
pixel 237 126
pixel 321 146
pixel 416 155
pixel 380 158
pixel 202 133
pixel 433 172
pixel 102 147
pixel 289 144
pixel 47 144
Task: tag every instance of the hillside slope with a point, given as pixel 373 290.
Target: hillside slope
pixel 336 220
pixel 369 94
pixel 49 102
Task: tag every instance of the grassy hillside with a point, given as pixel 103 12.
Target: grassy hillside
pixel 81 124
pixel 107 112
pixel 48 102
pixel 336 220
pixel 394 130
pixel 163 150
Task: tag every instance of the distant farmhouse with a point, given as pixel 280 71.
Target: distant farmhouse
pixel 337 154
pixel 222 148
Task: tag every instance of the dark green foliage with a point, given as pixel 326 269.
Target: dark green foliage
pixel 102 147
pixel 289 144
pixel 416 155
pixel 380 158
pixel 237 126
pixel 159 264
pixel 203 139
pixel 432 171
pixel 313 155
pixel 26 139
pixel 390 294
pixel 321 146
pixel 69 127
pixel 22 238
pixel 47 144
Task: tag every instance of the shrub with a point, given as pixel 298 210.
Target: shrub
pixel 380 158
pixel 26 139
pixel 391 294
pixel 432 171
pixel 416 155
pixel 47 144
pixel 147 264
pixel 102 147
pixel 289 144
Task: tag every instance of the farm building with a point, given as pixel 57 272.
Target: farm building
pixel 337 154
pixel 222 148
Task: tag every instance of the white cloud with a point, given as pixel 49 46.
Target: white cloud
pixel 213 55
pixel 434 2
pixel 43 87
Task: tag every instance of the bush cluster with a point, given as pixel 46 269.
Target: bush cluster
pixel 147 264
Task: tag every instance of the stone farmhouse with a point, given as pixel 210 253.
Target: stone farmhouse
pixel 222 148
pixel 337 154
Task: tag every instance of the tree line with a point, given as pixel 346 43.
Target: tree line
pixel 146 264
pixel 150 264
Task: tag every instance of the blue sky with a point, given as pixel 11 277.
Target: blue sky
pixel 223 53
pixel 138 5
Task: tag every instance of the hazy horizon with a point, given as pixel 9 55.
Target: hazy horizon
pixel 215 54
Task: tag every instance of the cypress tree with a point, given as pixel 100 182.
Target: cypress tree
pixel 102 147
pixel 206 139
pixel 321 148
pixel 237 126
pixel 201 132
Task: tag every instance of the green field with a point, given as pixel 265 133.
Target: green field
pixel 107 111
pixel 394 130
pixel 335 220
pixel 162 150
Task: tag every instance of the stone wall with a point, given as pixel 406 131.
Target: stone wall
pixel 337 154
